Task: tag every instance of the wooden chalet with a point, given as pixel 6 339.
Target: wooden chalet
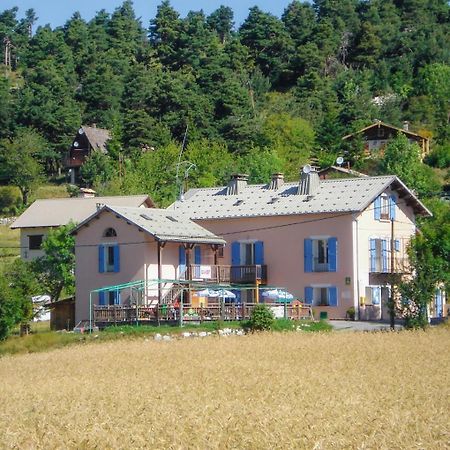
pixel 87 140
pixel 378 135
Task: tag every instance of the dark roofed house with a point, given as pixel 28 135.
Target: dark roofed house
pixel 43 215
pixel 87 140
pixel 378 135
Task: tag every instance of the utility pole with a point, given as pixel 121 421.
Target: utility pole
pixel 392 294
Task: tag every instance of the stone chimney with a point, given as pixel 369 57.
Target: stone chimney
pixel 309 181
pixel 237 183
pixel 277 181
pixel 406 125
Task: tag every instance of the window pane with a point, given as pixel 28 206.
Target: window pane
pixel 384 207
pixel 110 258
pixel 35 242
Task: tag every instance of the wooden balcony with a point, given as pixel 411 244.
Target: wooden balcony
pixel 251 274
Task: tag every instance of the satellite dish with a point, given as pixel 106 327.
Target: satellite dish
pixel 76 144
pixel 306 168
pixel 340 161
pixel 81 131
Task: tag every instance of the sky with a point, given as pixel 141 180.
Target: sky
pixel 57 12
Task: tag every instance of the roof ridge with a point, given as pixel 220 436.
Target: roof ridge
pixel 90 198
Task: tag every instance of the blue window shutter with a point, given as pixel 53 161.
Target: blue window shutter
pixel 384 255
pixel 235 254
pixel 101 298
pixel 397 245
pixel 377 208
pixel 308 253
pixel 332 254
pixel 182 256
pixel 376 295
pixel 259 252
pixel 332 296
pixel 101 258
pixel 392 204
pixel 117 297
pixel 309 295
pixel 197 255
pixel 373 255
pixel 116 258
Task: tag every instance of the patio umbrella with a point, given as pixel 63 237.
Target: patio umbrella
pixel 226 294
pixel 223 293
pixel 208 293
pixel 279 295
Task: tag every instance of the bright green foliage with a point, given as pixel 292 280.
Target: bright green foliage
pixel 213 164
pixel 429 255
pixel 402 158
pixel 260 164
pixel 436 234
pixel 439 157
pixel 417 293
pixel 19 155
pixel 292 138
pixel 97 169
pixel 17 285
pixel 261 318
pixel 56 269
pixel 9 200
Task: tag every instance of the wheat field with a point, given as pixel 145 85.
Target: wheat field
pixel 287 390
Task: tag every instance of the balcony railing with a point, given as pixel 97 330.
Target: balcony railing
pixel 249 274
pixel 383 265
pixel 320 266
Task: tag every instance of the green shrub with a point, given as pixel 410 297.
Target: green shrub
pixel 9 199
pixel 261 318
pixel 283 325
pixel 351 313
pixel 439 157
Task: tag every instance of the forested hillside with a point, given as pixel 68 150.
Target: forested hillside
pixel 262 97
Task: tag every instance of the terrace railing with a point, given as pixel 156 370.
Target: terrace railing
pixel 120 314
pixel 245 274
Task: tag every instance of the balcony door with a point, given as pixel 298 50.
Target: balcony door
pixel 247 254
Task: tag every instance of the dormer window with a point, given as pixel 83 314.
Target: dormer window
pixel 385 207
pixel 110 232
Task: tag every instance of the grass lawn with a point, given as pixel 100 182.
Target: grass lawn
pixel 50 191
pixel 8 238
pixel 385 390
pixel 42 339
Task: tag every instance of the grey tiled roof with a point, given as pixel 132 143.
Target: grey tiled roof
pixel 333 196
pixel 163 224
pixel 55 212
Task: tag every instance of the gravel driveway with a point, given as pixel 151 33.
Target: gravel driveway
pixel 350 325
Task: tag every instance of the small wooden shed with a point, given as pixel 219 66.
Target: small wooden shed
pixel 62 314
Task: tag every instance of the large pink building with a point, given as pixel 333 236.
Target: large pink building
pixel 334 244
